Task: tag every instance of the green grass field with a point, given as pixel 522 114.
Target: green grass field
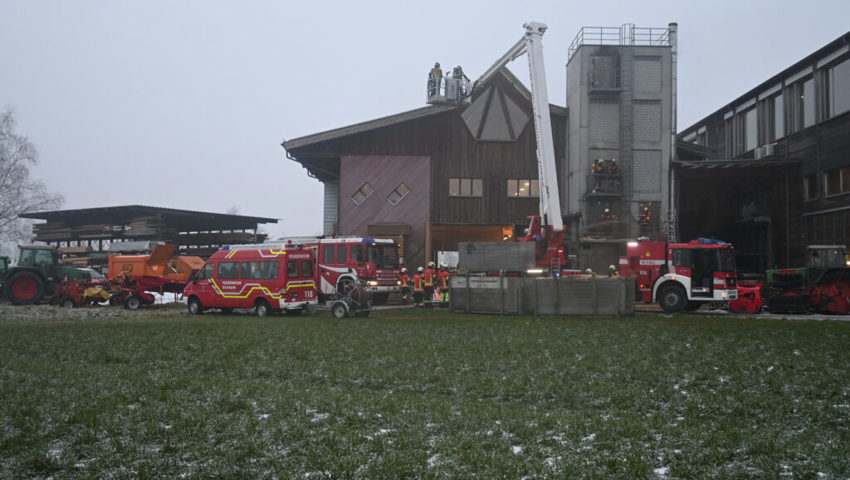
pixel 424 394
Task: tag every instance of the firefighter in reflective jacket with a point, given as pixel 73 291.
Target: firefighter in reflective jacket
pixel 443 285
pixel 418 288
pixel 430 276
pixel 608 215
pixel 404 284
pixel 645 216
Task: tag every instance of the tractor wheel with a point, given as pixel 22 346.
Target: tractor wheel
pixel 194 306
pixel 673 299
pixel 67 303
pixel 338 310
pixel 132 302
pixel 262 308
pixel 25 288
pixel 789 303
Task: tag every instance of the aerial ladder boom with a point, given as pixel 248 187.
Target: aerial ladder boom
pixel 550 224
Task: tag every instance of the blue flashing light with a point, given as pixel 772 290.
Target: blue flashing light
pixel 710 241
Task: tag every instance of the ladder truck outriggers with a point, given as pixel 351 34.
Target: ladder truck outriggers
pixel 547 228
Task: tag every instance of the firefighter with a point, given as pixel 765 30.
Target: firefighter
pixel 608 215
pixel 430 277
pixel 435 76
pixel 443 285
pixel 418 288
pixel 613 168
pixel 645 215
pixel 612 271
pixel 404 284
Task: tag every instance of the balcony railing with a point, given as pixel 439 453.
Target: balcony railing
pixel 627 34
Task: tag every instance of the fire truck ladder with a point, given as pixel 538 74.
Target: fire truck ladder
pixel 672 227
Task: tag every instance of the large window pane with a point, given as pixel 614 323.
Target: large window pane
pixel 808 103
pixel 840 88
pixel 751 134
pixel 778 117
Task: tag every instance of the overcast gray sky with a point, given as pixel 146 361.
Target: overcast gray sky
pixel 184 104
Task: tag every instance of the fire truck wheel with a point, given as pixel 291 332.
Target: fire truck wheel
pixel 673 299
pixel 67 302
pixel 262 308
pixel 195 306
pixel 339 310
pixel 132 302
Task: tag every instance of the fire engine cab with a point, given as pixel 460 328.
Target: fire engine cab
pixel 681 276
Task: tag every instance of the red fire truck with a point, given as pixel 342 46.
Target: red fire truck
pixel 681 276
pixel 344 260
pixel 265 279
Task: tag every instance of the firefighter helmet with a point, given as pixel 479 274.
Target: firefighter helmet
pixel 611 267
pixel 431 265
pixel 588 271
pixel 420 269
pixel 403 270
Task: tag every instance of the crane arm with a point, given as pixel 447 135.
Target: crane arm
pixel 532 44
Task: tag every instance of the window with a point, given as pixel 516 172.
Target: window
pixel 839 88
pixel 836 181
pixel 206 272
pixel 523 188
pixel 306 268
pixel 396 195
pixel 809 102
pixel 682 257
pixel 778 118
pixel 362 193
pixel 265 270
pixel 750 132
pixel 292 269
pixel 228 270
pixel 340 255
pixel 810 187
pixel 357 253
pixel 329 253
pixel 466 187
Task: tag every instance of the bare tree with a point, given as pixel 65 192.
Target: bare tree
pixel 18 192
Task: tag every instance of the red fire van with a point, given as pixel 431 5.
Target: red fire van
pixel 266 280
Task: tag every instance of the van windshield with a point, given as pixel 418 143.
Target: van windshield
pixel 384 256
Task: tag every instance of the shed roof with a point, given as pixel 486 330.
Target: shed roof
pixel 187 220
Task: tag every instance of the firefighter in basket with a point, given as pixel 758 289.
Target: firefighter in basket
pixel 430 277
pixel 443 285
pixel 418 288
pixel 608 215
pixel 404 284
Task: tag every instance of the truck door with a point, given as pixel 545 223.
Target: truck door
pixel 702 273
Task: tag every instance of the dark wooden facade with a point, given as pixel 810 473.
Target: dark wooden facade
pixel 441 136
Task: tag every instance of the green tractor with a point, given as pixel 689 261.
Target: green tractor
pixel 37 273
pixel 822 285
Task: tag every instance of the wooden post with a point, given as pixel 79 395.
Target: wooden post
pixel 593 296
pixel 468 296
pixel 556 308
pixel 502 292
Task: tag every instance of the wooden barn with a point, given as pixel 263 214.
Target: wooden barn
pixel 437 175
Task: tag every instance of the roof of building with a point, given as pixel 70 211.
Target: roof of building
pixel 398 118
pixel 188 220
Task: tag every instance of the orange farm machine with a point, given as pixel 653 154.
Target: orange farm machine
pixel 135 278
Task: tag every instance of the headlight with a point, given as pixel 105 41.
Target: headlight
pixel 372 283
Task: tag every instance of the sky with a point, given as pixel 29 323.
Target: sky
pixel 184 104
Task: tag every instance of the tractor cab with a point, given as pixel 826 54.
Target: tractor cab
pixel 826 256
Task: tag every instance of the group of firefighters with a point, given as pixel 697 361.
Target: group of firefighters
pixel 424 283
